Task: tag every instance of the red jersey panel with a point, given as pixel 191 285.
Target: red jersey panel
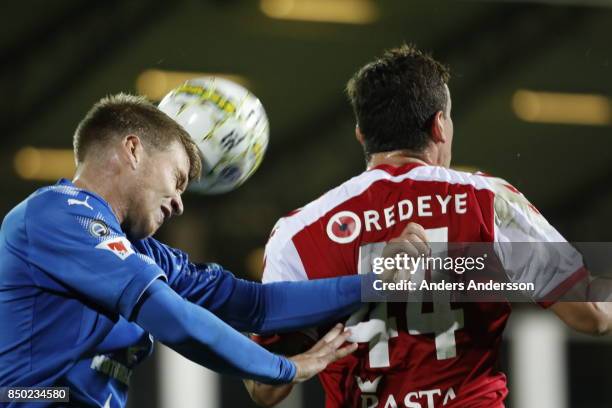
pixel 429 353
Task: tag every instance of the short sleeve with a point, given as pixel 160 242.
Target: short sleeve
pixel 531 250
pixel 80 250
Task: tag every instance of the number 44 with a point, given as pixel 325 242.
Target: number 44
pixel 376 327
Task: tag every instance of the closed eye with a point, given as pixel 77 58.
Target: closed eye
pixel 181 182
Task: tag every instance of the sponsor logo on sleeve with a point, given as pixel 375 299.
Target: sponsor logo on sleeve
pixel 343 227
pixel 98 228
pixel 119 246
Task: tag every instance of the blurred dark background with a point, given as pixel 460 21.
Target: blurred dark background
pixel 531 93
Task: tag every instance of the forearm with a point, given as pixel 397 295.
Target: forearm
pixel 605 310
pixel 600 291
pixel 203 338
pixel 585 317
pixel 284 306
pixel 590 308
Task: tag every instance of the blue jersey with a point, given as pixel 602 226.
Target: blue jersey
pixel 69 282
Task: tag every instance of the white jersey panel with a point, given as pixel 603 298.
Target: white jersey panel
pixel 283 262
pixel 529 248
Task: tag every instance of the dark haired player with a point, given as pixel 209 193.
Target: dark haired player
pixel 428 354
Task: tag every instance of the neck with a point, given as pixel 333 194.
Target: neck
pixel 100 179
pixel 398 158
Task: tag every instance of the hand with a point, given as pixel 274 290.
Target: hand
pixel 326 351
pixel 412 241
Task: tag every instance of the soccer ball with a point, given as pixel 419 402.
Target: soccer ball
pixel 229 125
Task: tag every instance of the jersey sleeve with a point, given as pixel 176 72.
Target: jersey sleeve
pixel 530 249
pixel 77 248
pixel 208 285
pixel 251 306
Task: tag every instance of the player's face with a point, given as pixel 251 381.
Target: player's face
pixel 163 177
pixel 446 149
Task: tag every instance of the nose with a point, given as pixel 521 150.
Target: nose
pixel 177 205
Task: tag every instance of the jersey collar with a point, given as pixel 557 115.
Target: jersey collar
pixel 66 182
pixel 397 170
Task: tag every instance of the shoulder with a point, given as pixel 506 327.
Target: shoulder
pixel 70 214
pixel 476 180
pixel 296 220
pixel 363 189
pixel 53 204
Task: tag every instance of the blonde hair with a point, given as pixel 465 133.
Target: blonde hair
pixel 117 115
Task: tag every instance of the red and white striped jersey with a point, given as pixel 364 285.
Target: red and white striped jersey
pixel 431 354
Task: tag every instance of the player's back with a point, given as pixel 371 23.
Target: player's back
pixel 417 354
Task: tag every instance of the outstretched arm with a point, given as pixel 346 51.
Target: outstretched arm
pixel 285 306
pixel 203 338
pixel 272 307
pixel 250 306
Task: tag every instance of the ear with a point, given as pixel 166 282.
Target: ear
pixel 359 136
pixel 437 128
pixel 133 149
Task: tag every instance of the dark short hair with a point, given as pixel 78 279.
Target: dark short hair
pixel 396 97
pixel 118 115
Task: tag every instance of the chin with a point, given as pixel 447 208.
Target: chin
pixel 140 230
pixel 137 234
pixel 154 228
pixel 149 232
